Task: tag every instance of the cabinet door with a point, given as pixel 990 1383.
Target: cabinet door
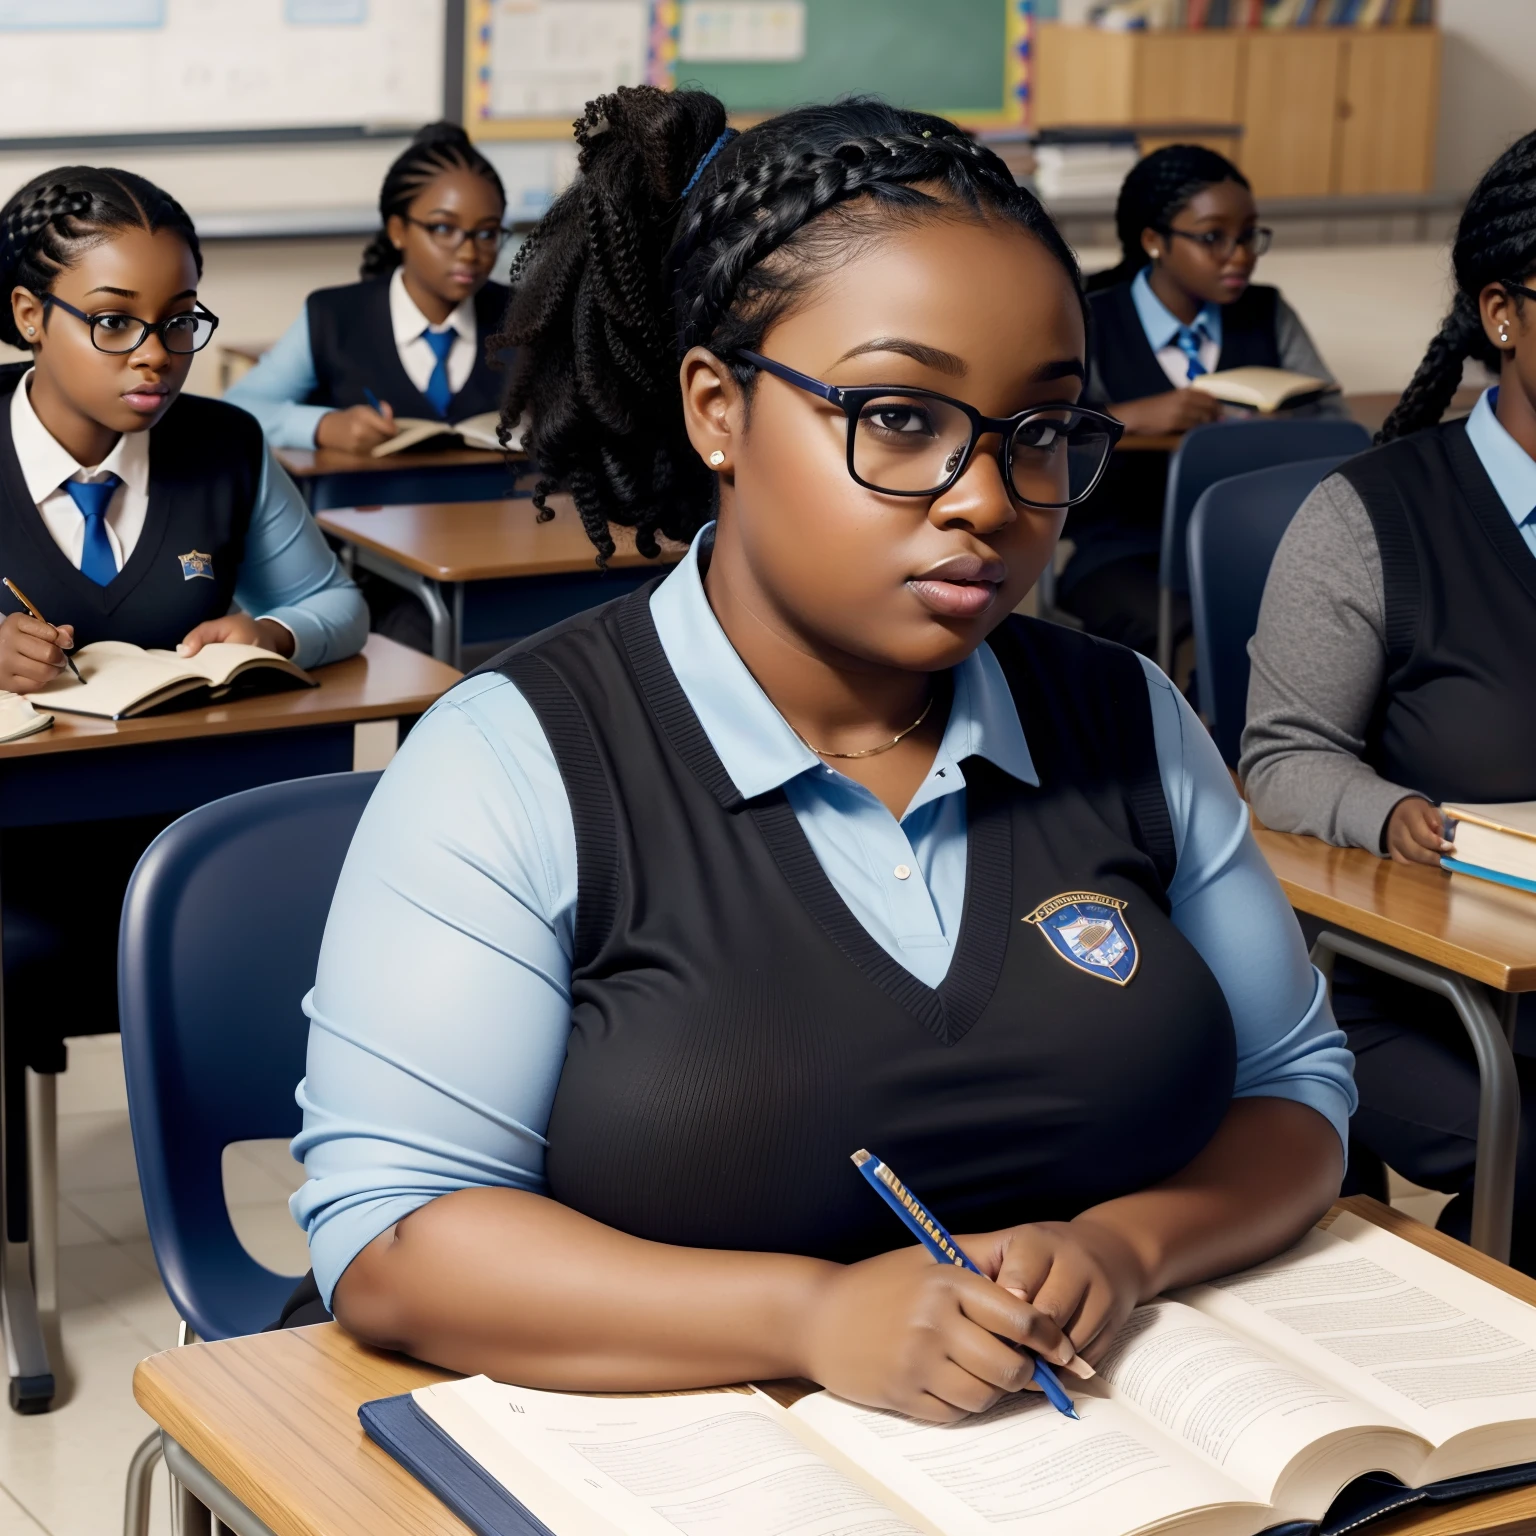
pixel 1082 77
pixel 1387 111
pixel 1186 77
pixel 1290 108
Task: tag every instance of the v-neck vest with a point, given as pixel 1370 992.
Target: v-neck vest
pixel 1457 715
pixel 736 1034
pixel 352 343
pixel 205 461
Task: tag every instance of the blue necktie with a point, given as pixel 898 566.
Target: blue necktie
pixel 437 390
pixel 1189 339
pixel 93 497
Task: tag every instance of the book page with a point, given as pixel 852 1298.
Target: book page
pixel 1022 1466
pixel 707 1464
pixel 1417 1337
pixel 218 662
pixel 116 676
pixel 18 718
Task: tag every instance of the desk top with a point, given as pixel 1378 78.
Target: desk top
pixel 273 1417
pixel 307 463
pixel 384 681
pixel 481 540
pixel 1470 926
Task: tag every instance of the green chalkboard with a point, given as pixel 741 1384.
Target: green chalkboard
pixel 947 56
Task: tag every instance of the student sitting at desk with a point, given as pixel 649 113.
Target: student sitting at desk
pixel 807 847
pixel 1392 671
pixel 1181 302
pixel 128 511
pixel 409 340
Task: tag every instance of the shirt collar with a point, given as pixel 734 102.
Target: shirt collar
pixel 1160 323
pixel 46 463
pixel 752 739
pixel 408 322
pixel 1509 466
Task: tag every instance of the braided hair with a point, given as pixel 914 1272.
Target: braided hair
pixel 1495 239
pixel 47 224
pixel 1157 190
pixel 643 258
pixel 436 148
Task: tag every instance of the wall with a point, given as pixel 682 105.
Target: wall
pixel 1488 91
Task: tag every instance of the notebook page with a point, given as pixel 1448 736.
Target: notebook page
pixel 217 661
pixel 1021 1466
pixel 718 1464
pixel 116 676
pixel 1424 1341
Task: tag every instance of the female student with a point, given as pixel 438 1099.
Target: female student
pixel 1391 672
pixel 409 340
pixel 1181 303
pixel 804 849
pixel 128 511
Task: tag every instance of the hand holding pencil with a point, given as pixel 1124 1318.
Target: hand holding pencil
pixel 32 651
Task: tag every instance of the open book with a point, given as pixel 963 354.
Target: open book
pixel 121 680
pixel 1264 390
pixel 1220 1411
pixel 18 718
pixel 1495 842
pixel 473 432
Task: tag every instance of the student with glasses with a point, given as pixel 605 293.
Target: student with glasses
pixel 409 339
pixel 128 511
pixel 1180 303
pixel 809 846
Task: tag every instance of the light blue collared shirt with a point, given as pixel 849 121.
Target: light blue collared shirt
pixel 1509 466
pixel 441 1011
pixel 1161 324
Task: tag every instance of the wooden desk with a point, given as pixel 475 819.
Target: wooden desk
pixel 270 1426
pixel 489 571
pixel 165 764
pixel 330 478
pixel 1471 941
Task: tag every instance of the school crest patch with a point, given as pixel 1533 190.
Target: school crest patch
pixel 196 564
pixel 1089 931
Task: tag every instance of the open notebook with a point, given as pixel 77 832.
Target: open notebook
pixel 18 718
pixel 1265 390
pixel 473 432
pixel 1222 1411
pixel 122 680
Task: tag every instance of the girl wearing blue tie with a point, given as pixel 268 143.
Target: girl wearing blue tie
pixel 409 339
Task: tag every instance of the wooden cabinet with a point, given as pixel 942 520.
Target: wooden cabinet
pixel 1319 110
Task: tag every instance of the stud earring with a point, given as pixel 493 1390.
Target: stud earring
pixel 31 330
pixel 1503 337
pixel 1157 255
pixel 717 458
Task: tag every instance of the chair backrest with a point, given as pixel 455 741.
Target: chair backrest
pixel 1233 535
pixel 220 936
pixel 1225 448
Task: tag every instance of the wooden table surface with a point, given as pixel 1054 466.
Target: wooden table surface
pixel 305 463
pixel 1470 926
pixel 273 1417
pixel 481 540
pixel 385 680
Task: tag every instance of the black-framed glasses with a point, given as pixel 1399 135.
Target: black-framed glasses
pixel 1220 244
pixel 1509 285
pixel 119 333
pixel 449 237
pixel 916 442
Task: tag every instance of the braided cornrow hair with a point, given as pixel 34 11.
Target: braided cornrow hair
pixel 625 274
pixel 436 148
pixel 1495 239
pixel 45 226
pixel 1157 189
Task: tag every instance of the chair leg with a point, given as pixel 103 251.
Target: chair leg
pixel 43 1186
pixel 141 1471
pixel 1164 657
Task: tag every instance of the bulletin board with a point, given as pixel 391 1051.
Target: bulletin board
pixel 530 65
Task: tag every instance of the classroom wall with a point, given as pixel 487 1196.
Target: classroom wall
pixel 1488 91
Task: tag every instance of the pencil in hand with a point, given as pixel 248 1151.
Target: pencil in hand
pixel 21 597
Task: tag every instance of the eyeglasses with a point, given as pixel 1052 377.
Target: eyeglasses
pixel 1509 285
pixel 1219 244
pixel 119 334
pixel 915 442
pixel 449 237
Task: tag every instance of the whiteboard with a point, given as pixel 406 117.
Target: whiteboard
pixel 138 68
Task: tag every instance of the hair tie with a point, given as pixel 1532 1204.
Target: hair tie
pixel 709 154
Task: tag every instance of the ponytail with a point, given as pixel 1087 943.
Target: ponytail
pixel 1496 239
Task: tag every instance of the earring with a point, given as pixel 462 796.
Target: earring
pixel 717 458
pixel 31 330
pixel 1503 336
pixel 1157 255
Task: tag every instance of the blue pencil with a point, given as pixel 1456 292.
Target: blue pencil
pixel 373 400
pixel 920 1222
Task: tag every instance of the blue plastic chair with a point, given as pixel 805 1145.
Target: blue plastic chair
pixel 1216 452
pixel 1233 535
pixel 220 936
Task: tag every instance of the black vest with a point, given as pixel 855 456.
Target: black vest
pixel 205 461
pixel 1456 718
pixel 737 1034
pixel 352 342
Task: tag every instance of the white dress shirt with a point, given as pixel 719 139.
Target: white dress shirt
pixel 1163 326
pixel 416 357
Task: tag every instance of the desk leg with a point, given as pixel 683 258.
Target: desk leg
pixel 1490 1030
pixel 43 1186
pixel 445 632
pixel 207 1490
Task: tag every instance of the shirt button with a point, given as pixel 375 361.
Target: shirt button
pixel 901 871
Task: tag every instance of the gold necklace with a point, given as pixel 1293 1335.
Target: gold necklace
pixel 884 746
